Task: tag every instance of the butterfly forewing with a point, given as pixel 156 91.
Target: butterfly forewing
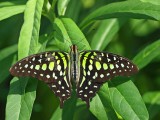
pixel 98 67
pixel 50 67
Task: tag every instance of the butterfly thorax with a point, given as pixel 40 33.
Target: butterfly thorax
pixel 74 62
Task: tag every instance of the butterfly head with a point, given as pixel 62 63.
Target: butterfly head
pixel 74 49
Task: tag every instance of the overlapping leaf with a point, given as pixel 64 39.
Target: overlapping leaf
pixel 21 96
pixel 8 9
pixel 130 8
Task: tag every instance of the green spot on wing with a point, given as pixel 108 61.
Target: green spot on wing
pixel 111 66
pixel 82 81
pixel 98 65
pixel 84 72
pixel 91 61
pixel 84 62
pixel 58 61
pixel 37 67
pixel 90 67
pixel 44 66
pixel 56 57
pixel 105 66
pixel 94 53
pixel 87 54
pixel 51 66
pixel 64 62
pixel 61 54
pixel 92 56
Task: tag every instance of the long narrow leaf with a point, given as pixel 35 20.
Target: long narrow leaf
pixel 73 9
pixel 147 54
pixel 62 6
pixel 7 12
pixel 57 114
pixel 105 33
pixel 24 96
pixel 126 100
pixel 6 59
pixel 12 3
pixel 68 33
pixel 97 108
pixel 131 9
pixel 152 100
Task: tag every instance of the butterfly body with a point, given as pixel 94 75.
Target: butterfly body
pixel 74 66
pixel 88 70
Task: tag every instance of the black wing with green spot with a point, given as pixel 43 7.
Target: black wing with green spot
pixel 50 67
pixel 98 67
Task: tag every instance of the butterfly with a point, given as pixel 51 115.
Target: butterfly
pixel 88 70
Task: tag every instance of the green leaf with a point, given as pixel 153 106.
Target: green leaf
pixel 97 109
pixel 68 110
pixel 105 33
pixel 126 100
pixel 60 35
pixel 8 51
pixel 152 100
pixel 69 107
pixel 143 27
pixel 6 12
pixel 100 106
pixel 68 33
pixel 156 2
pixel 13 3
pixel 13 105
pixel 131 9
pixel 28 41
pixel 147 54
pixel 57 115
pixel 73 9
pixel 105 99
pixel 6 59
pixel 48 10
pixel 62 6
pixel 20 101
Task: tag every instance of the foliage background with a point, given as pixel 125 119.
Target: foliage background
pixel 129 28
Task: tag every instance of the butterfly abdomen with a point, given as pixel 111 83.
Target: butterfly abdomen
pixel 74 55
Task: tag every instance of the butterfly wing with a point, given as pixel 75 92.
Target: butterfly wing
pixel 50 67
pixel 97 68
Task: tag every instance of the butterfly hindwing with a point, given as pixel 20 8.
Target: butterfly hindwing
pixel 50 67
pixel 98 67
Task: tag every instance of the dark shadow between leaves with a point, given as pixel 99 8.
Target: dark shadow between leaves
pixel 127 15
pixel 153 109
pixel 118 80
